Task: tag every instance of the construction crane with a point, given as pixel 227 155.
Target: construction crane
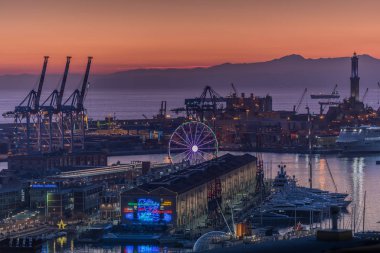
pixel 298 105
pixel 234 89
pixel 365 95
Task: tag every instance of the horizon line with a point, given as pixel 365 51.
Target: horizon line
pixel 127 69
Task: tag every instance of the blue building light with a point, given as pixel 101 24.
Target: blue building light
pixel 46 186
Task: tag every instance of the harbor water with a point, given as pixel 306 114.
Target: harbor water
pixel 132 104
pixel 352 174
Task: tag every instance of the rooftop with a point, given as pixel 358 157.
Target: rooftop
pixel 199 174
pixel 95 171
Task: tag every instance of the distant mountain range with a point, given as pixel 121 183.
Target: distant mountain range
pixel 292 71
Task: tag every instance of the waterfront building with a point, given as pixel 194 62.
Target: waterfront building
pixel 62 198
pixel 113 176
pixel 181 198
pixel 110 205
pixel 37 165
pixel 87 198
pixel 11 200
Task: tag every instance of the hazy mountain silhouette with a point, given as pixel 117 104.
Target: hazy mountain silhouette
pixel 289 72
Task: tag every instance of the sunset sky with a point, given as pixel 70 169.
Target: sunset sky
pixel 125 34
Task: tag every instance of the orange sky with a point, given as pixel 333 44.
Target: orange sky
pixel 161 33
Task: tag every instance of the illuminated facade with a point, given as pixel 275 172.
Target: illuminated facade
pixel 182 197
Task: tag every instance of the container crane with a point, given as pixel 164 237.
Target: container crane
pixel 76 100
pixel 208 102
pixel 74 109
pixel 54 101
pixel 297 107
pixel 52 106
pixel 31 102
pixel 28 109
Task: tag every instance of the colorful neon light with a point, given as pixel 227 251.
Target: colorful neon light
pixel 167 203
pixel 148 211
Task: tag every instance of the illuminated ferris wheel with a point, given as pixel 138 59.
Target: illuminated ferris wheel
pixel 193 142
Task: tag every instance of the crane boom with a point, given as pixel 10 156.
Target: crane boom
pixel 296 108
pixel 234 88
pixel 40 84
pixel 63 83
pixel 84 84
pixel 365 95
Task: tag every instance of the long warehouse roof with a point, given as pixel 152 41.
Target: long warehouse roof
pixel 197 175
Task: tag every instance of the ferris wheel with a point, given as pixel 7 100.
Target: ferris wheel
pixel 193 142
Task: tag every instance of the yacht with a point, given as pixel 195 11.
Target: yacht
pixel 359 139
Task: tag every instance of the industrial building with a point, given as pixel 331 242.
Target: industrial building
pixel 61 198
pixel 87 198
pixel 110 175
pixel 182 197
pixel 11 200
pixel 37 165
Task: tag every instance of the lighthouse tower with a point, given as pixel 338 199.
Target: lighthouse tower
pixel 355 78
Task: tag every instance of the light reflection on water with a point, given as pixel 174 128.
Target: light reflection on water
pixel 65 245
pixel 352 174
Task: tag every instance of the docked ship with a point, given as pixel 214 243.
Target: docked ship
pixel 289 203
pixel 325 96
pixel 359 139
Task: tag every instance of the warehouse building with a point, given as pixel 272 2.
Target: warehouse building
pixel 60 198
pixel 184 196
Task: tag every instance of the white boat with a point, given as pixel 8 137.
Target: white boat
pixel 359 139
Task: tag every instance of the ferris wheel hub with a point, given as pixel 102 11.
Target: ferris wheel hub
pixel 194 148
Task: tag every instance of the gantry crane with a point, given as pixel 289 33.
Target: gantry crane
pixel 28 110
pixel 74 111
pixel 52 108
